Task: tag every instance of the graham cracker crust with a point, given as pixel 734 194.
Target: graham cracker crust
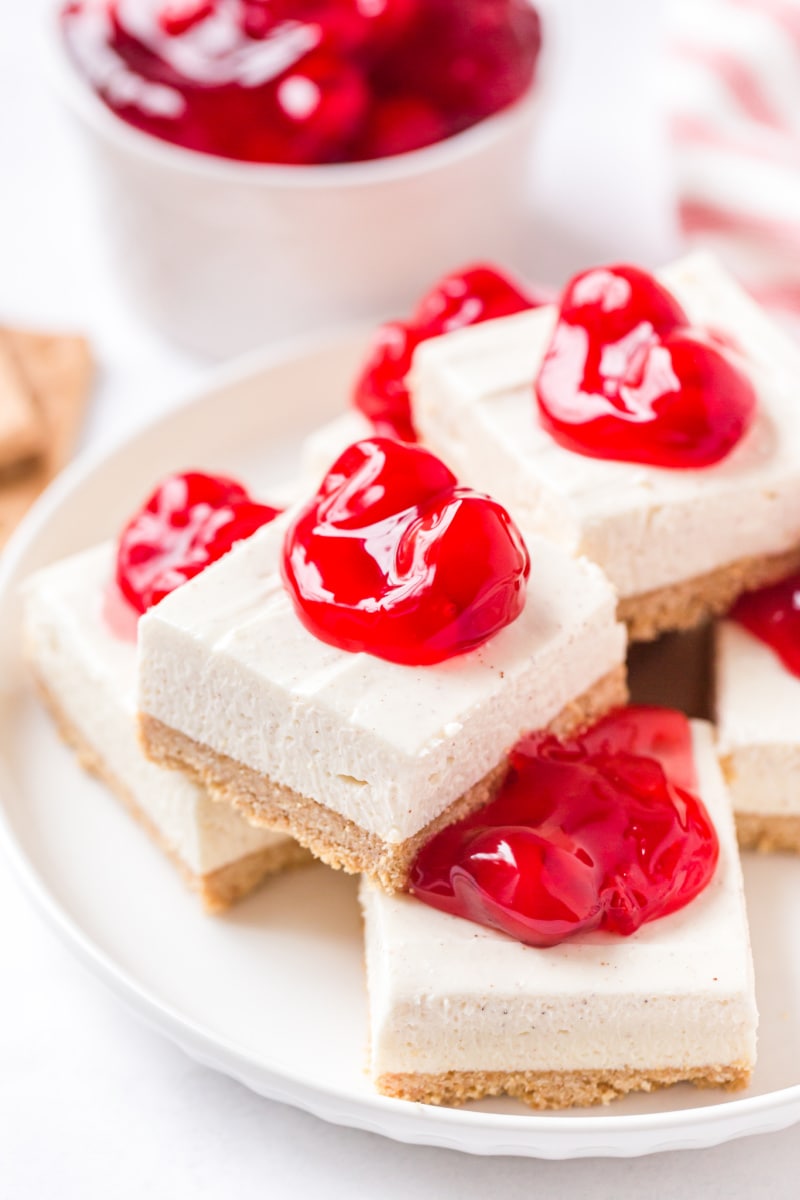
pixel 555 1089
pixel 219 889
pixel 335 839
pixel 687 604
pixel 768 833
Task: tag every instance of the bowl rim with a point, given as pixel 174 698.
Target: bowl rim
pixel 81 99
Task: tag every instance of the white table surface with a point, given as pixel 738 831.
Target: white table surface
pixel 92 1105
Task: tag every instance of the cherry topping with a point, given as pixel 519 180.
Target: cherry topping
pixel 189 522
pixel 304 81
pixel 182 15
pixel 400 124
pixel 478 293
pixel 258 19
pixel 487 64
pixel 320 101
pixel 392 558
pixel 380 392
pixel 359 28
pixel 625 377
pixel 603 831
pixel 772 614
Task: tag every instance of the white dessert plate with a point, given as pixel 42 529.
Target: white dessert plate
pixel 273 994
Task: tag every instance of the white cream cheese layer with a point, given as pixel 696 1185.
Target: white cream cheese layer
pixel 757 704
pixel 448 995
pixel 647 527
pixel 226 661
pixel 91 674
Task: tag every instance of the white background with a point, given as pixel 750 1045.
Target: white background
pixel 91 1104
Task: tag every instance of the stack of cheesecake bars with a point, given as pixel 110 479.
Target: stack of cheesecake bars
pixel 245 744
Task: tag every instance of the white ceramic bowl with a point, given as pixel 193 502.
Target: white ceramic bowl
pixel 222 256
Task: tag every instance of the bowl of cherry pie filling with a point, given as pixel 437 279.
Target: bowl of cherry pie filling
pixel 263 167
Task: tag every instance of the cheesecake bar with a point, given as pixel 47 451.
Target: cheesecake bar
pixel 678 544
pixel 757 703
pixel 80 640
pixel 359 758
pixel 458 1011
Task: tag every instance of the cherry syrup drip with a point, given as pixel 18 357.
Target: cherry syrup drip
pixel 772 614
pixel 119 616
pixel 190 521
pixel 625 376
pixel 393 558
pixel 304 81
pixel 469 297
pixel 603 831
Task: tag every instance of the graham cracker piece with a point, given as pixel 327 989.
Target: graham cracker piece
pixel 22 430
pixel 56 370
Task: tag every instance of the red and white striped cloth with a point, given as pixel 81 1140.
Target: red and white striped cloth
pixel 734 97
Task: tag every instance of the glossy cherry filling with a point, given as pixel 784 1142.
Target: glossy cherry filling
pixel 468 297
pixel 603 831
pixel 190 521
pixel 304 81
pixel 772 614
pixel 393 558
pixel 627 377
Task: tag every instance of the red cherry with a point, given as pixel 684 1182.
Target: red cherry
pixel 509 878
pixel 491 53
pixel 258 18
pixel 387 21
pixel 392 558
pixel 478 293
pixel 772 614
pixel 189 522
pixel 468 297
pixel 179 16
pixel 599 832
pixel 648 732
pixel 487 75
pixel 400 124
pixel 323 103
pixel 356 29
pixel 626 378
pixel 387 76
pixel 380 391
